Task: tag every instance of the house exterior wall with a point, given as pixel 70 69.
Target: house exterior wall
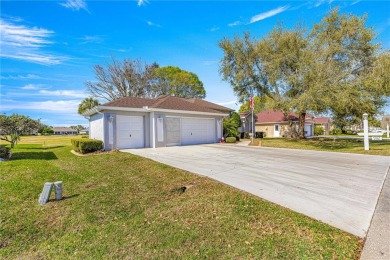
pixel 179 115
pixel 113 114
pixel 96 127
pixel 284 129
pixel 101 128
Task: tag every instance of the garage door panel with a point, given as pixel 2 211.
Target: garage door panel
pixel 197 131
pixel 130 132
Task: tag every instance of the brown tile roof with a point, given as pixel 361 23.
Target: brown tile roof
pixel 161 102
pixel 271 116
pixel 133 102
pixel 321 120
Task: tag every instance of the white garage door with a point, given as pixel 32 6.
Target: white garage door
pixel 130 132
pixel 197 131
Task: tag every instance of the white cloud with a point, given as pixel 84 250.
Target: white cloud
pixel 91 39
pixel 227 103
pixel 355 2
pixel 63 93
pixel 153 24
pixel 28 76
pixel 69 106
pixel 26 43
pixel 142 2
pixel 268 14
pixel 234 23
pixel 20 35
pixel 214 29
pixel 75 5
pixel 33 87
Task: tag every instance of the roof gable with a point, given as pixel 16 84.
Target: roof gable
pixel 165 102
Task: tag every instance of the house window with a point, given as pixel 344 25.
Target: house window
pixel 276 127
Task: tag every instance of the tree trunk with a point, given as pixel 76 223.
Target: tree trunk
pixel 12 144
pixel 301 130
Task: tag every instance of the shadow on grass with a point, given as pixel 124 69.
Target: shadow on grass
pixel 34 156
pixel 65 198
pixel 38 147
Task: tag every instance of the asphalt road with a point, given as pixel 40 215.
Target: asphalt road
pixel 336 188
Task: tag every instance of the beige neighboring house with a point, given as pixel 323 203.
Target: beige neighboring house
pixel 64 131
pixel 385 122
pixel 275 124
pixel 325 123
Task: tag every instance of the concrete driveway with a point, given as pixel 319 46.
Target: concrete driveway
pixel 337 188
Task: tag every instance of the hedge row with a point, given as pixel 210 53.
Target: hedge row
pixel 230 139
pixel 84 145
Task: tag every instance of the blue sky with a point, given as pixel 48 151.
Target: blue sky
pixel 48 48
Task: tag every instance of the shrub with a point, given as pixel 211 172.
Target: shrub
pixel 336 131
pixel 237 138
pixel 230 140
pixel 89 145
pixel 4 152
pixel 84 145
pixel 259 134
pixel 319 130
pixel 84 136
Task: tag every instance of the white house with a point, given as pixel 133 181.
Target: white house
pixel 132 122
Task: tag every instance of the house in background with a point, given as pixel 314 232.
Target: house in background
pixel 275 124
pixel 132 122
pixel 64 131
pixel 84 131
pixel 325 123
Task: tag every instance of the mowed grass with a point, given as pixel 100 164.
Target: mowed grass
pixel 120 205
pixel 327 144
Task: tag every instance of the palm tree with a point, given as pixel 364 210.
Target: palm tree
pixel 87 104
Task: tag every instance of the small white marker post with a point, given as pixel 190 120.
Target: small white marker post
pixel 58 190
pixel 365 128
pixel 44 197
pixel 387 130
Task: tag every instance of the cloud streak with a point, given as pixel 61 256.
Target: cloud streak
pixel 24 43
pixel 33 87
pixel 65 106
pixel 142 2
pixel 150 23
pixel 268 14
pixel 75 5
pixel 63 93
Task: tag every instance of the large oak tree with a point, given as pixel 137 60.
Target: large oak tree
pixel 135 78
pixel 331 68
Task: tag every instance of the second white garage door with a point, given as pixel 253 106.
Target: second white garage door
pixel 197 131
pixel 130 132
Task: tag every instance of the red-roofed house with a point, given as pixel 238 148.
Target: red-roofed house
pixel 325 123
pixel 275 124
pixel 132 122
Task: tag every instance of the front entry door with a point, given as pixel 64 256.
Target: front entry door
pixel 276 130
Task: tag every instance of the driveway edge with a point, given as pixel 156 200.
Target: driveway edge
pixel 377 245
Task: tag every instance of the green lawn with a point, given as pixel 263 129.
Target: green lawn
pixel 119 205
pixel 327 144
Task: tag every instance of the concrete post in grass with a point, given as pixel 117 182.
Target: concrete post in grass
pixel 365 128
pixel 387 130
pixel 45 195
pixel 58 190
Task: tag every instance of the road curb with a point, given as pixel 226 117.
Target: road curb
pixel 377 245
